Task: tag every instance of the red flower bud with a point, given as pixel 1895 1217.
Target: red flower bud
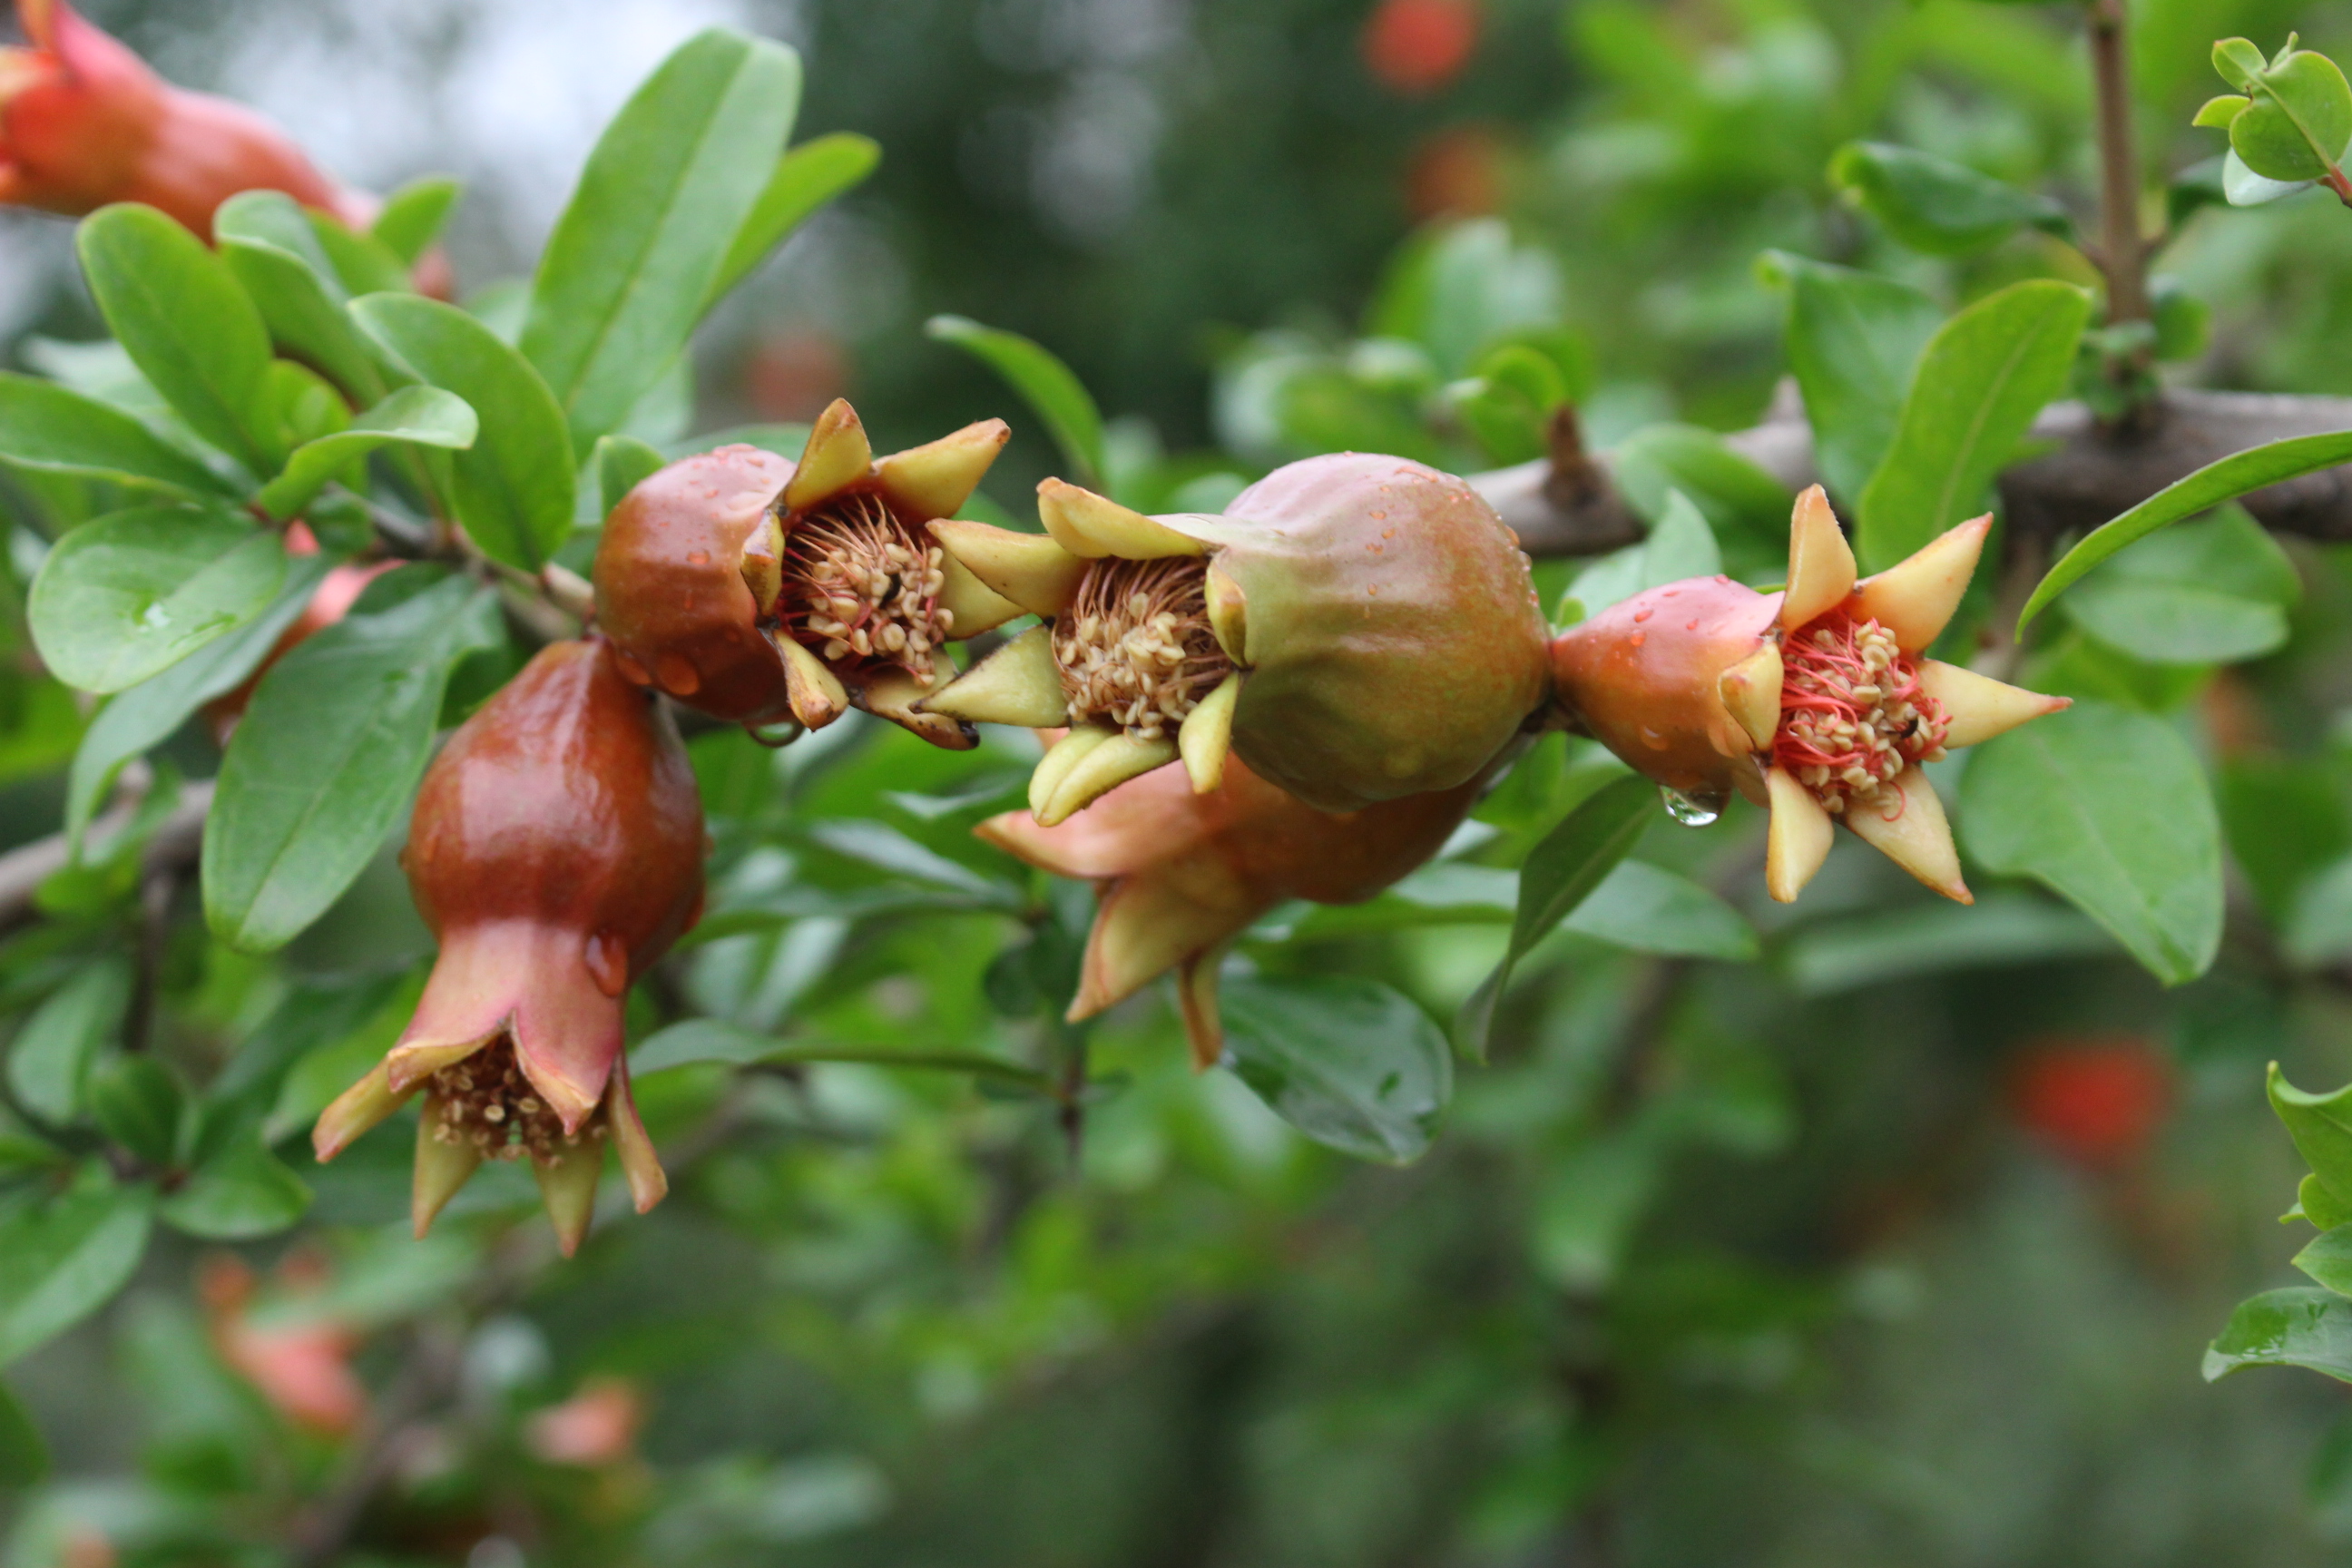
pixel 758 590
pixel 1356 628
pixel 1181 873
pixel 1816 701
pixel 84 122
pixel 556 850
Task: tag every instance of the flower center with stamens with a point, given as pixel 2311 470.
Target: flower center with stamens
pixel 1135 648
pixel 486 1102
pixel 1853 712
pixel 860 586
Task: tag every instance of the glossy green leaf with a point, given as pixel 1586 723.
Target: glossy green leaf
pixel 2200 593
pixel 514 487
pixel 639 248
pixel 50 1060
pixel 186 322
pixel 2109 809
pixel 1936 206
pixel 328 754
pixel 1349 1063
pixel 2207 488
pixel 1680 545
pixel 2295 1327
pixel 2328 1260
pixel 1853 340
pixel 1051 388
pixel 364 263
pixel 147 714
pixel 2215 113
pixel 241 1192
pixel 2321 1126
pixel 2315 1203
pixel 68 1255
pixel 50 428
pixel 805 178
pixel 2242 187
pixel 120 599
pixel 2238 62
pixel 414 417
pixel 414 216
pixel 623 463
pixel 1565 866
pixel 2299 120
pixel 24 1455
pixel 139 1102
pixel 1648 908
pixel 268 242
pixel 1983 377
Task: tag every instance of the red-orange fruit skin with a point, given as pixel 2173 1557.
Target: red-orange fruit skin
pixel 1642 679
pixel 670 590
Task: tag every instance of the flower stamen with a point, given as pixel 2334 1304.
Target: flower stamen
pixel 1134 647
pixel 486 1100
pixel 1853 714
pixel 859 587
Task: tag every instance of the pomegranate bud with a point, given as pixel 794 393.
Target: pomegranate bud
pixel 1816 703
pixel 556 851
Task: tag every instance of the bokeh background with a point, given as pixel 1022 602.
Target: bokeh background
pixel 1903 1250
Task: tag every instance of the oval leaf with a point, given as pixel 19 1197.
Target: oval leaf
pixel 47 426
pixel 2295 1327
pixel 1350 1063
pixel 1936 206
pixel 414 417
pixel 2109 809
pixel 1051 388
pixel 514 487
pixel 67 1258
pixel 129 596
pixel 807 177
pixel 241 1192
pixel 1852 340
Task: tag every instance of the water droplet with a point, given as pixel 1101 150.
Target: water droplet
pixel 631 669
pixel 1643 613
pixel 155 617
pixel 608 964
pixel 1637 639
pixel 1692 810
pixel 1654 739
pixel 678 677
pixel 698 558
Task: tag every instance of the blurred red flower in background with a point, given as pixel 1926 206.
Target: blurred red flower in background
pixel 1455 173
pixel 2095 1100
pixel 596 1427
pixel 1416 47
pixel 293 1349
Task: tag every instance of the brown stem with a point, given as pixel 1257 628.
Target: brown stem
pixel 2122 251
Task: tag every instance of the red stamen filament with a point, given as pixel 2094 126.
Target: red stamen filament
pixel 1853 714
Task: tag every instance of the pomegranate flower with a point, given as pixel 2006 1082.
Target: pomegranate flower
pixel 556 850
pixel 1814 701
pixel 84 122
pixel 758 590
pixel 1181 873
pixel 1356 629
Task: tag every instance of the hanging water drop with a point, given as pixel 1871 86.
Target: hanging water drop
pixel 1692 810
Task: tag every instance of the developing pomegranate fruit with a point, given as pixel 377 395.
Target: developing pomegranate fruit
pixel 1181 873
pixel 1814 701
pixel 759 590
pixel 1356 629
pixel 556 851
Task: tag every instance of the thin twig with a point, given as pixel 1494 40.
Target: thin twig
pixel 2122 251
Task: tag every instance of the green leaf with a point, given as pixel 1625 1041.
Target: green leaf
pixel 1746 507
pixel 1936 206
pixel 514 487
pixel 2328 1260
pixel 1648 908
pixel 2207 488
pixel 1984 376
pixel 623 463
pixel 1349 1063
pixel 67 1257
pixel 120 599
pixel 2315 1203
pixel 1891 946
pixel 1051 388
pixel 414 215
pixel 698 1041
pixel 2299 119
pixel 50 1060
pixel 2201 593
pixel 49 428
pixel 2215 113
pixel 2238 62
pixel 240 1194
pixel 2321 1126
pixel 2109 809
pixel 149 713
pixel 186 322
pixel 414 415
pixel 2242 187
pixel 327 756
pixel 1852 340
pixel 667 190
pixel 268 242
pixel 2294 1327
pixel 807 177
pixel 23 1457
pixel 1568 864
pixel 364 263
pixel 138 1102
pixel 2318 925
pixel 1680 545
